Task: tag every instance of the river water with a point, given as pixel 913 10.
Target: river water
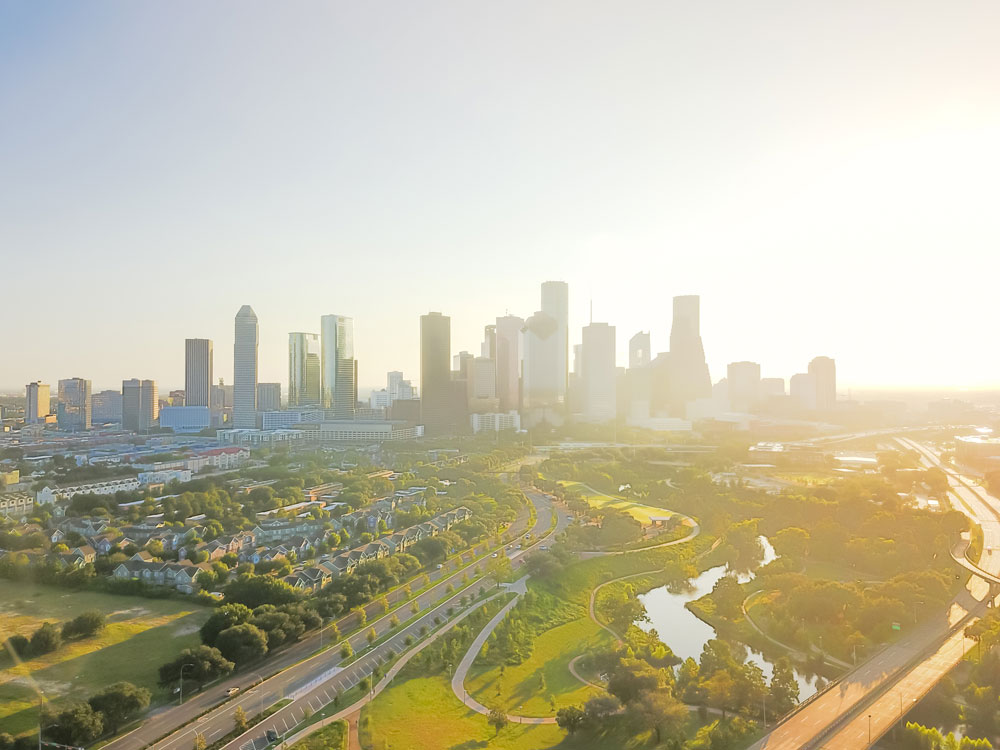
pixel 686 635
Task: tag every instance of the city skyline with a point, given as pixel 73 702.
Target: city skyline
pixel 798 201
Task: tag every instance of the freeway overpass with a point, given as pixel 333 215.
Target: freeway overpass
pixel 872 699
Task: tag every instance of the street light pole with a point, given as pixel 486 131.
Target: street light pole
pixel 869 729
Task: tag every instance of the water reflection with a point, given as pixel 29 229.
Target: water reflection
pixel 686 635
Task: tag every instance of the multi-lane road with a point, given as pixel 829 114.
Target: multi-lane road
pixel 311 679
pixel 870 701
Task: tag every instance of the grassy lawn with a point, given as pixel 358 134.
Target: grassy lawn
pixel 419 712
pixel 642 513
pixel 331 737
pixel 521 685
pixel 141 634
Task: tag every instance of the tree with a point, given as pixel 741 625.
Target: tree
pixel 46 639
pixel 570 718
pixel 85 624
pixel 600 707
pixel 784 687
pixel 720 690
pixel 242 643
pixel 499 569
pixel 660 711
pixel 120 702
pixel 728 597
pixel 632 678
pixel 346 652
pixel 199 742
pixel 497 719
pixel 240 720
pixel 224 617
pixel 792 542
pixel 78 724
pixel 254 590
pixel 201 664
pixel 20 645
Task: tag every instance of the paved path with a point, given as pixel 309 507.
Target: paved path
pixel 801 654
pixel 458 680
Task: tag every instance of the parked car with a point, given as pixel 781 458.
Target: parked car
pixel 271 735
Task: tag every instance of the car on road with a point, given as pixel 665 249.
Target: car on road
pixel 495 554
pixel 271 735
pixel 544 546
pixel 439 566
pixel 232 691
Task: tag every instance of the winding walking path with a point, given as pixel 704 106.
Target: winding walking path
pixel 520 587
pixel 801 654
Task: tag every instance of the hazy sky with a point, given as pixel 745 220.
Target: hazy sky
pixel 825 175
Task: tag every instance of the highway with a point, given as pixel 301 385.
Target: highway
pixel 309 680
pixel 872 699
pixel 288 669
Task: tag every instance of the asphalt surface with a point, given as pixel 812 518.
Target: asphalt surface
pixel 873 699
pixel 288 670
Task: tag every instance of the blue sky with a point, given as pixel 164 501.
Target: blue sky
pixel 822 174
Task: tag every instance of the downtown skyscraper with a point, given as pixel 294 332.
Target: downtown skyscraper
pixel 305 370
pixel 546 356
pixel 340 368
pixel 140 404
pixel 245 344
pixel 198 373
pixel 74 407
pixel 689 379
pixel 436 390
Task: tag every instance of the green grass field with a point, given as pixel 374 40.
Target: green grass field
pixel 141 635
pixel 642 513
pixel 525 688
pixel 419 712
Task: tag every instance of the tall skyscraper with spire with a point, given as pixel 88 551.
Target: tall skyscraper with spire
pixel 689 379
pixel 340 369
pixel 245 346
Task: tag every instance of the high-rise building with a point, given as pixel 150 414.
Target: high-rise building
pixel 555 302
pixel 74 407
pixel 245 368
pixel 340 369
pixel 268 396
pixel 546 355
pixel 743 380
pixel 198 372
pixel 176 398
pixel 38 402
pixel 639 354
pixel 106 406
pixel 398 388
pixel 802 389
pixel 689 379
pixel 436 392
pixel 824 372
pixel 305 370
pixel 771 388
pixel 597 373
pixel 508 359
pixel 461 365
pixel 489 346
pixel 140 404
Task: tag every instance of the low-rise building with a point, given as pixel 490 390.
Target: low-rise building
pixel 49 495
pixel 16 504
